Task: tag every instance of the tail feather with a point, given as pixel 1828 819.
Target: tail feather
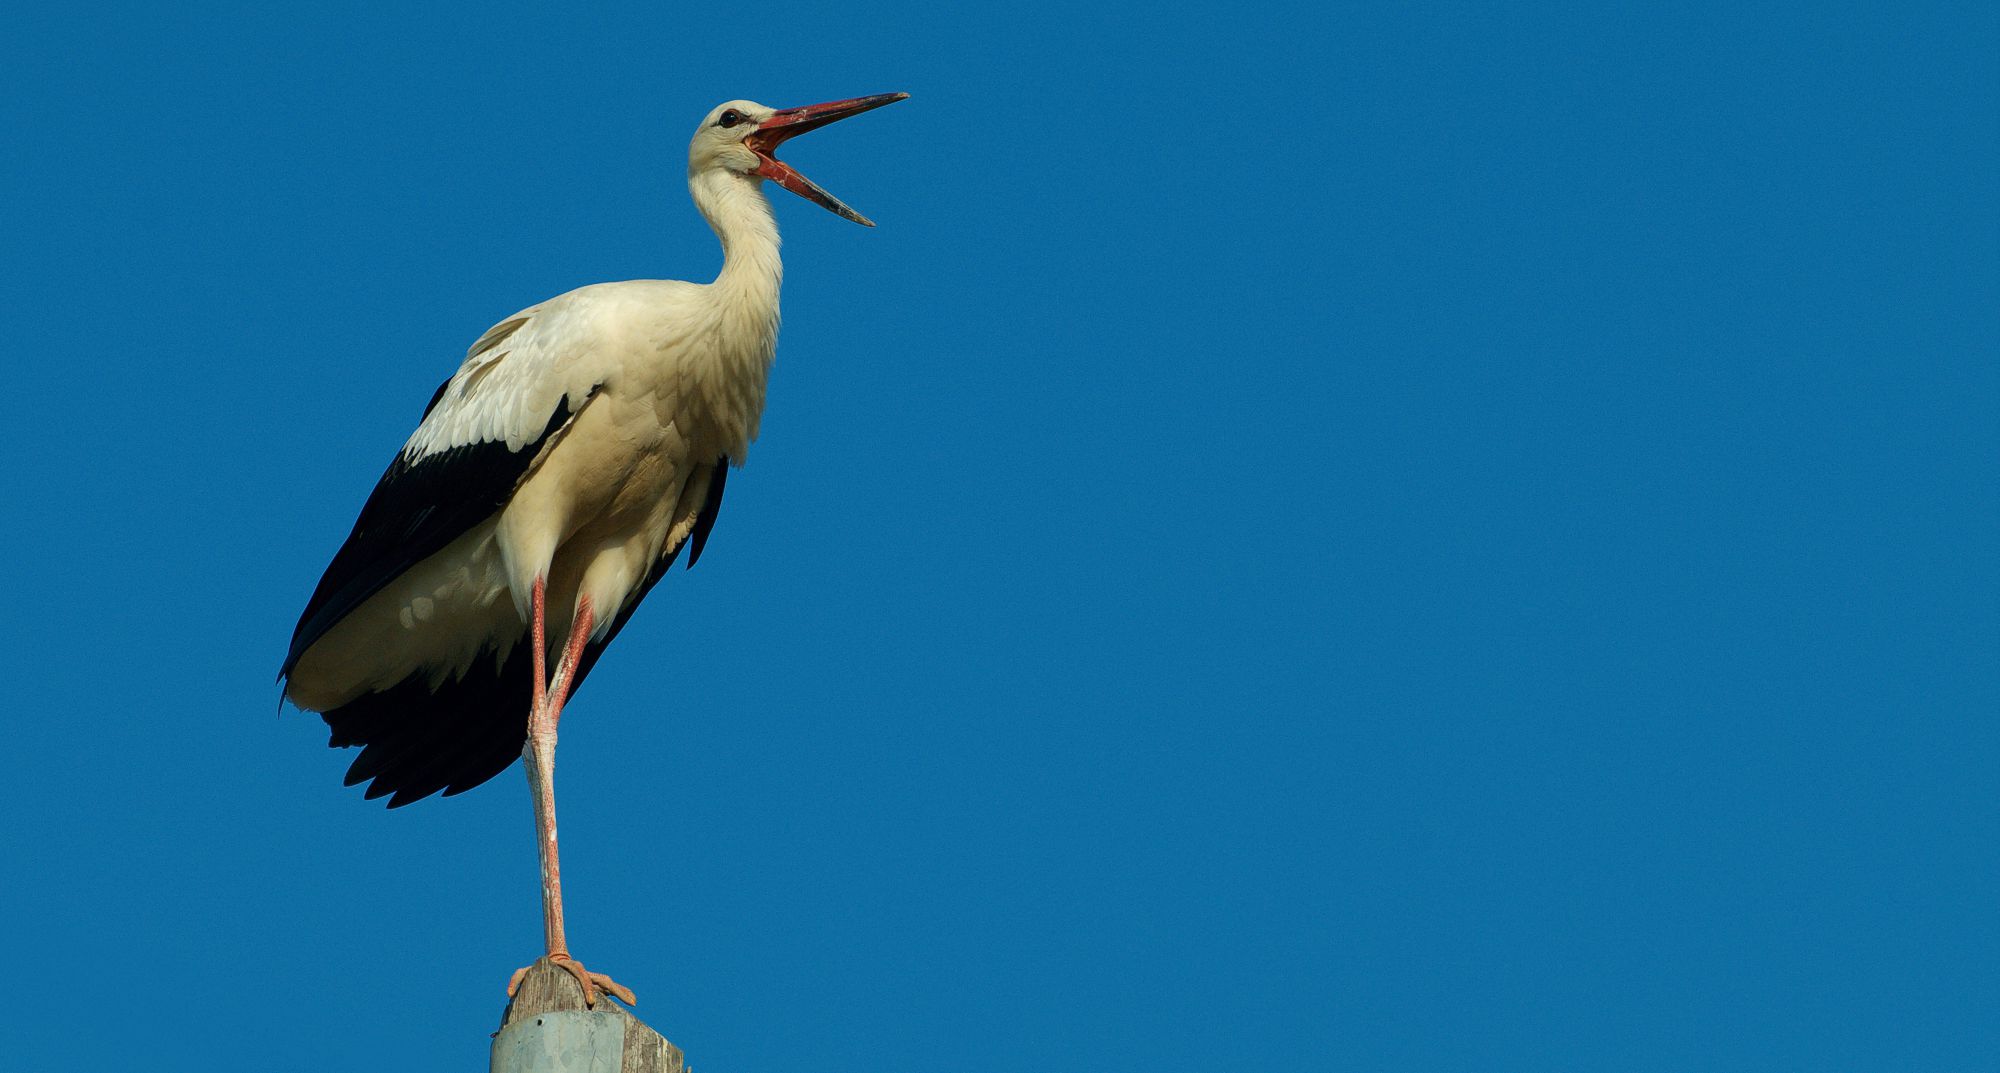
pixel 417 741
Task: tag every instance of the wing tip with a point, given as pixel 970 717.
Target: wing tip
pixel 711 509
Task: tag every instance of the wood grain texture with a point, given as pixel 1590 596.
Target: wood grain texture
pixel 549 990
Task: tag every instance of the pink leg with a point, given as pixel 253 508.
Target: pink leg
pixel 541 646
pixel 540 759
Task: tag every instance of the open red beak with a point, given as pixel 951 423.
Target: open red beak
pixel 764 141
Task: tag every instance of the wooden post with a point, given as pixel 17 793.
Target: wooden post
pixel 547 1029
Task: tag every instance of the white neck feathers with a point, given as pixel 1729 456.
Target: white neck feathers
pixel 744 297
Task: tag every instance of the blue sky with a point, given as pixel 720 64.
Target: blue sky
pixel 1377 536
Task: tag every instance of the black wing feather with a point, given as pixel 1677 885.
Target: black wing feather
pixel 705 521
pixel 416 509
pixel 419 741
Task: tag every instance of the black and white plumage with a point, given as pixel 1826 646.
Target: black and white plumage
pixel 580 448
pixel 554 428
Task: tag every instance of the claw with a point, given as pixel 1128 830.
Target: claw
pixel 593 982
pixel 606 983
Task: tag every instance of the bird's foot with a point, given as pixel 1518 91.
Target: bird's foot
pixel 593 982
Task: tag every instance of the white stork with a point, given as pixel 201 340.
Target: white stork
pixel 552 481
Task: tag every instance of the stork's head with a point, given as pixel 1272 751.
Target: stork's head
pixel 743 137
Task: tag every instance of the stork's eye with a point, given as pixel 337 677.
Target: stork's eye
pixel 730 118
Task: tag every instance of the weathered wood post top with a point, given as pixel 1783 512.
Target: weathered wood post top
pixel 548 1029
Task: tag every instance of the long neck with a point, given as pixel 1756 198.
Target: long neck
pixel 735 208
pixel 743 300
